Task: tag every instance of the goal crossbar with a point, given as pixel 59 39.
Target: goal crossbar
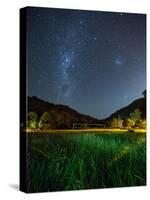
pixel 85 124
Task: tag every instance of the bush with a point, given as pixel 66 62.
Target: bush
pixel 128 123
pixel 32 116
pixel 33 124
pixel 45 121
pixel 135 115
pixel 142 124
pixel 116 123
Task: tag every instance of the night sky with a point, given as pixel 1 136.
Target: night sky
pixel 94 62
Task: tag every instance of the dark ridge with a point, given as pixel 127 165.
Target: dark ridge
pixel 125 112
pixel 68 116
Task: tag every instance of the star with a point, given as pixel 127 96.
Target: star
pixel 73 56
pixel 67 60
pixel 118 61
pixel 73 66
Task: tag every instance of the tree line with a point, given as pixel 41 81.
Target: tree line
pixel 134 120
pixel 48 121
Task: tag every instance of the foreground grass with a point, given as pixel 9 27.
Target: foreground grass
pixel 66 161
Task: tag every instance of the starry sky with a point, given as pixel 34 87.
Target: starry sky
pixel 94 62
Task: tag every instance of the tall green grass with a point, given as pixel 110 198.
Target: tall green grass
pixel 85 161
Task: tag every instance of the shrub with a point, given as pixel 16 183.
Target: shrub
pixel 116 123
pixel 33 124
pixel 142 124
pixel 135 115
pixel 45 121
pixel 128 123
pixel 32 116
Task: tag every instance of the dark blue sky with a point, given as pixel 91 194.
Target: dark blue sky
pixel 94 62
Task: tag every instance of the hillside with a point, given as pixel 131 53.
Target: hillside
pixel 125 112
pixel 62 115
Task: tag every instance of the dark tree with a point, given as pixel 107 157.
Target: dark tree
pixel 128 123
pixel 135 115
pixel 32 120
pixel 32 116
pixel 144 93
pixel 45 120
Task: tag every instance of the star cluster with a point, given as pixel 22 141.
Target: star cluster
pixel 92 61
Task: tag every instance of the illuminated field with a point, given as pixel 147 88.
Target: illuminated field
pixel 64 160
pixel 98 130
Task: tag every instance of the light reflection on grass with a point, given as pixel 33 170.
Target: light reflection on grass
pixel 86 131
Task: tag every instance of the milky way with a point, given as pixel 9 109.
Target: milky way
pixel 94 62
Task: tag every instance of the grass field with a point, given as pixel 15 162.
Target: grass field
pixel 70 161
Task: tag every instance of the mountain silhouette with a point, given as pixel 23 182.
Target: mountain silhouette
pixel 65 116
pixel 124 112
